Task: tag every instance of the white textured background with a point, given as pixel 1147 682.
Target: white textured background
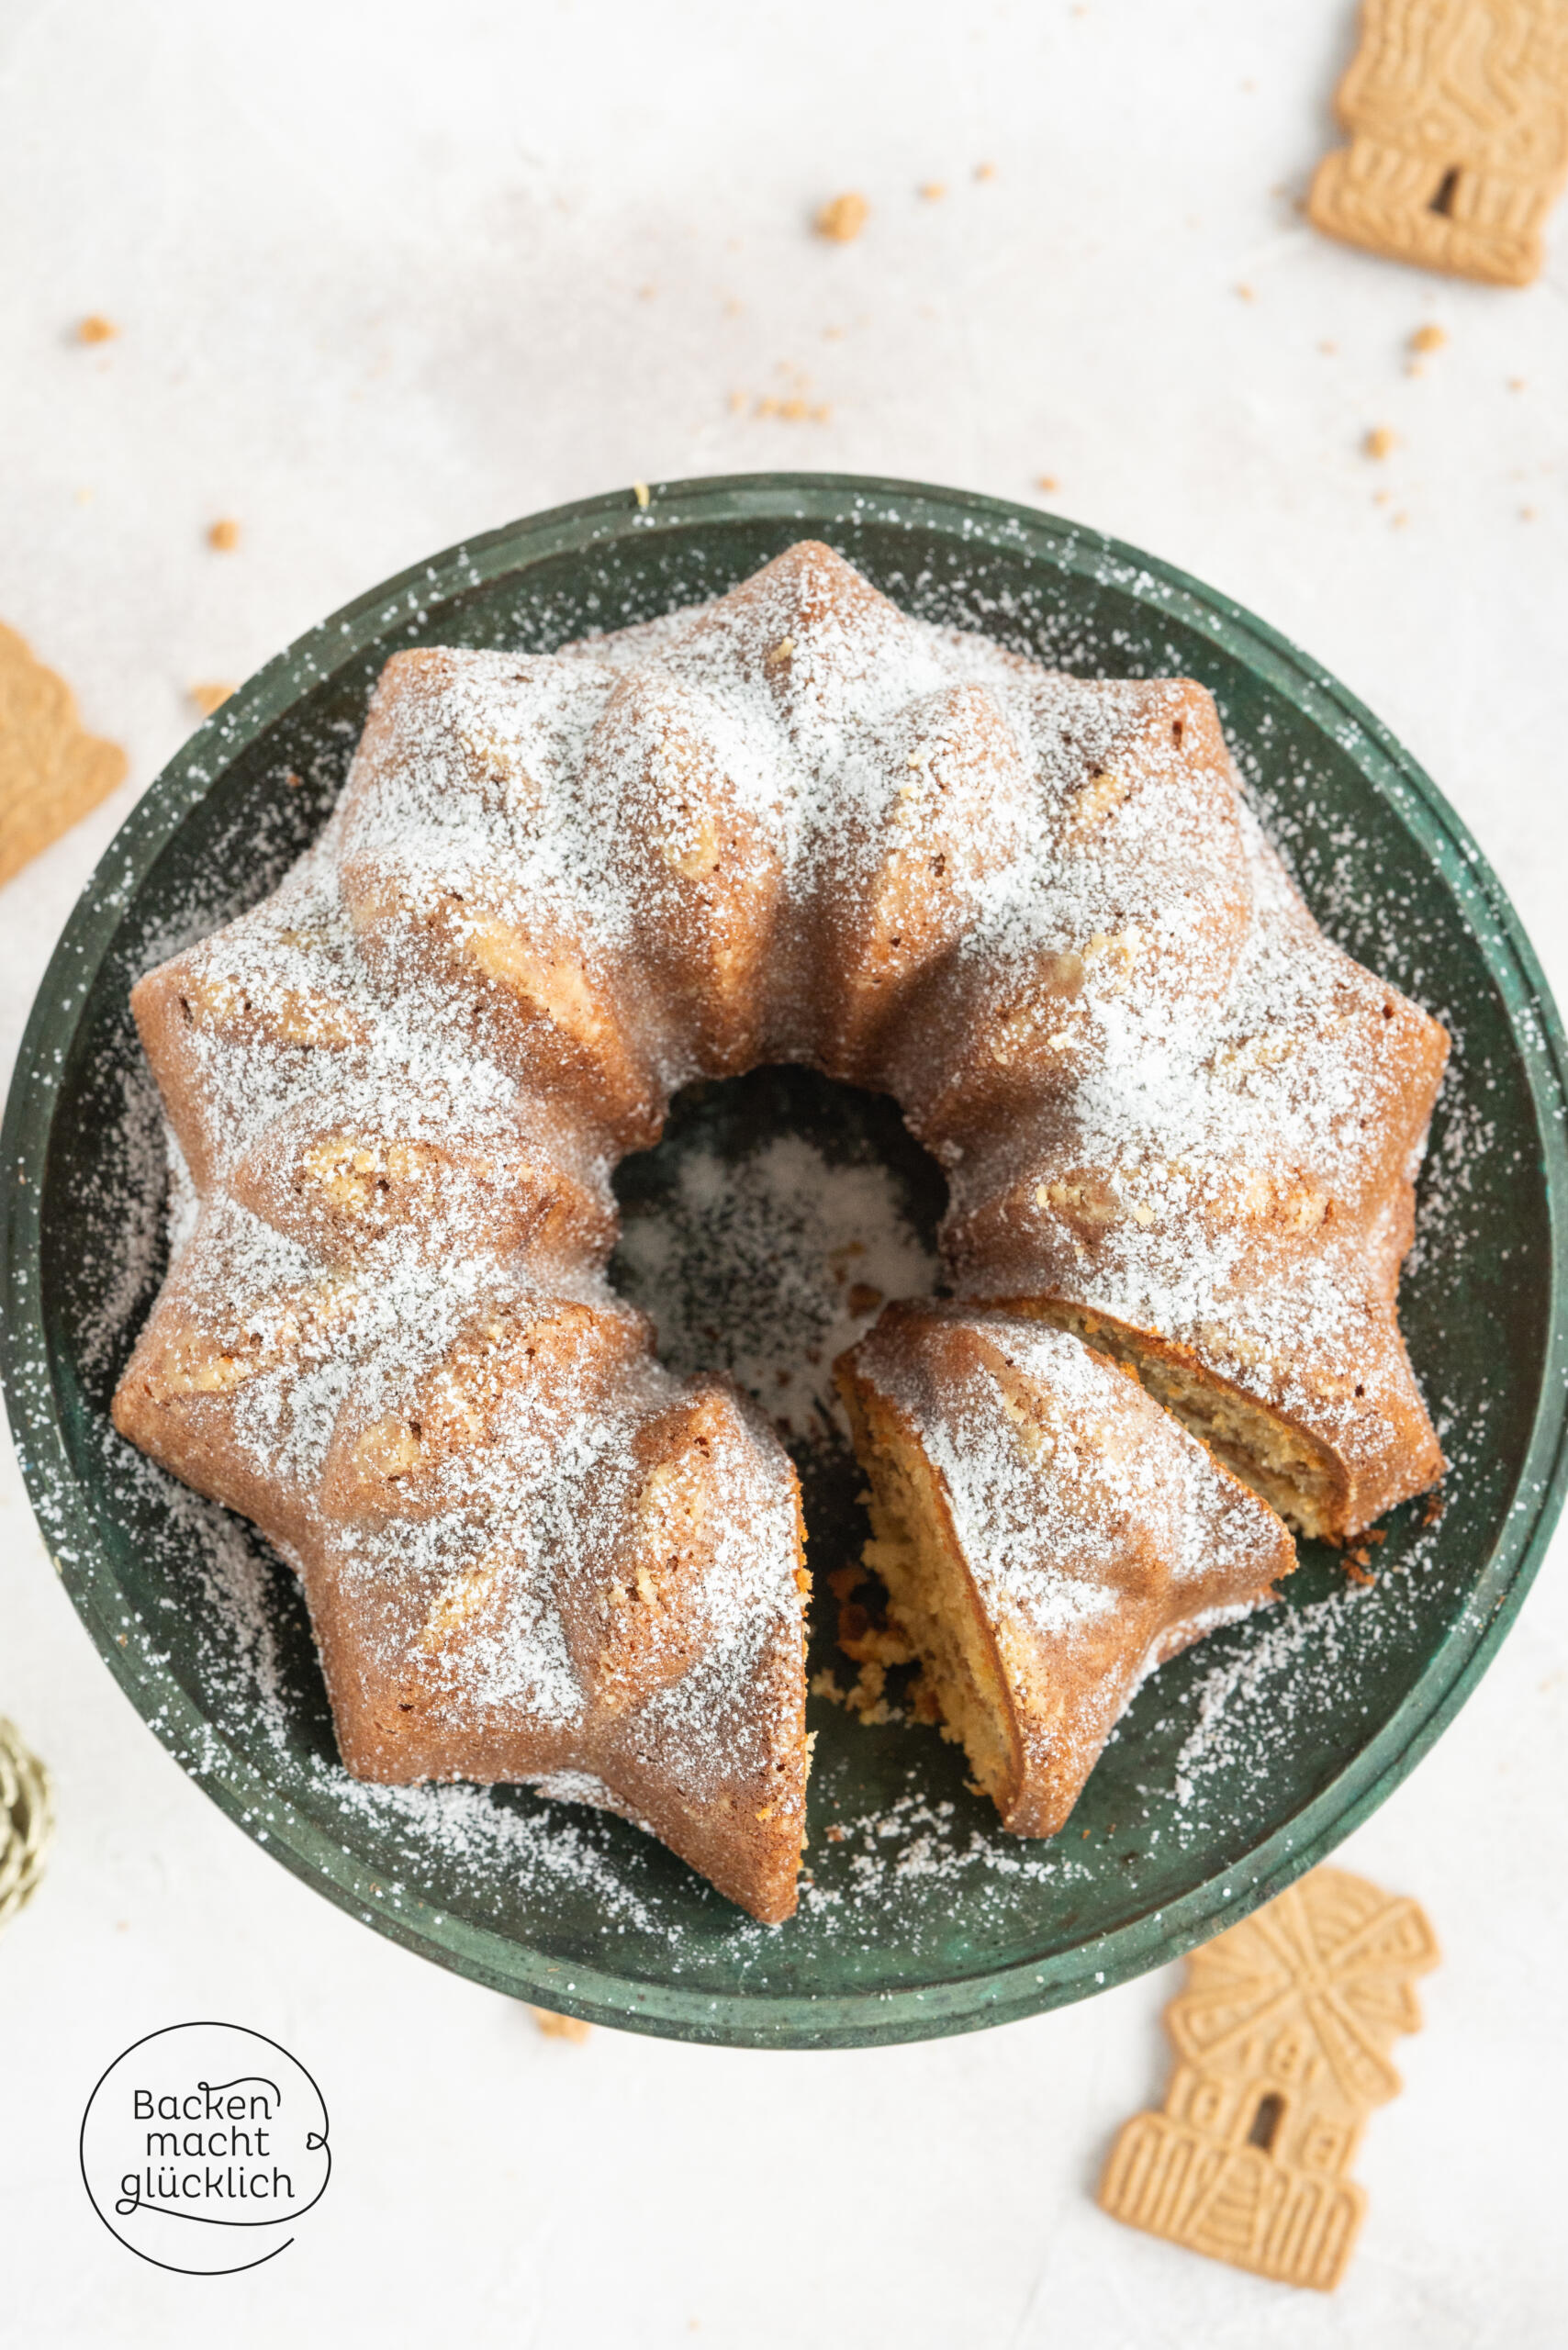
pixel 390 276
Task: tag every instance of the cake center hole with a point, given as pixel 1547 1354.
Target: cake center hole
pixel 763 1232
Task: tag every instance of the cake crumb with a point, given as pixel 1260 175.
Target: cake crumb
pixel 1379 442
pixel 924 1703
pixel 95 328
pixel 1247 293
pixel 842 219
pixel 985 171
pixel 934 190
pixel 210 697
pixel 224 535
pixel 556 2027
pixel 1048 482
pixel 1428 338
pixel 863 1298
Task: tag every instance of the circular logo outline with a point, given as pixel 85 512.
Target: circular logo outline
pixel 313 2139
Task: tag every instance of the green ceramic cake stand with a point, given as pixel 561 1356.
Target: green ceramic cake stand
pixel 1239 1766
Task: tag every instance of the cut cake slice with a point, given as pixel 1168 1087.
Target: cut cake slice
pixel 1048 1536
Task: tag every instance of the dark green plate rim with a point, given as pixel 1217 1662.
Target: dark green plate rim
pixel 816 501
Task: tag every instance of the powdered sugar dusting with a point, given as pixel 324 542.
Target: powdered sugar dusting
pixel 554 796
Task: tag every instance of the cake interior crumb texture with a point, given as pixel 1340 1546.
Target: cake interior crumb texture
pixel 913 1551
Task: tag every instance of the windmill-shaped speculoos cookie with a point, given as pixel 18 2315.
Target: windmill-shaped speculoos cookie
pixel 1458 117
pixel 1283 2034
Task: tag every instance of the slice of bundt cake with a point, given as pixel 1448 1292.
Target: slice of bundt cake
pixel 1048 1536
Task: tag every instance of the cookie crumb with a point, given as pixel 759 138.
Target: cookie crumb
pixel 224 535
pixel 1247 293
pixel 641 492
pixel 1048 482
pixel 95 328
pixel 1379 442
pixel 1428 338
pixel 556 2027
pixel 985 171
pixel 842 219
pixel 934 190
pixel 209 697
pixel 1330 348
